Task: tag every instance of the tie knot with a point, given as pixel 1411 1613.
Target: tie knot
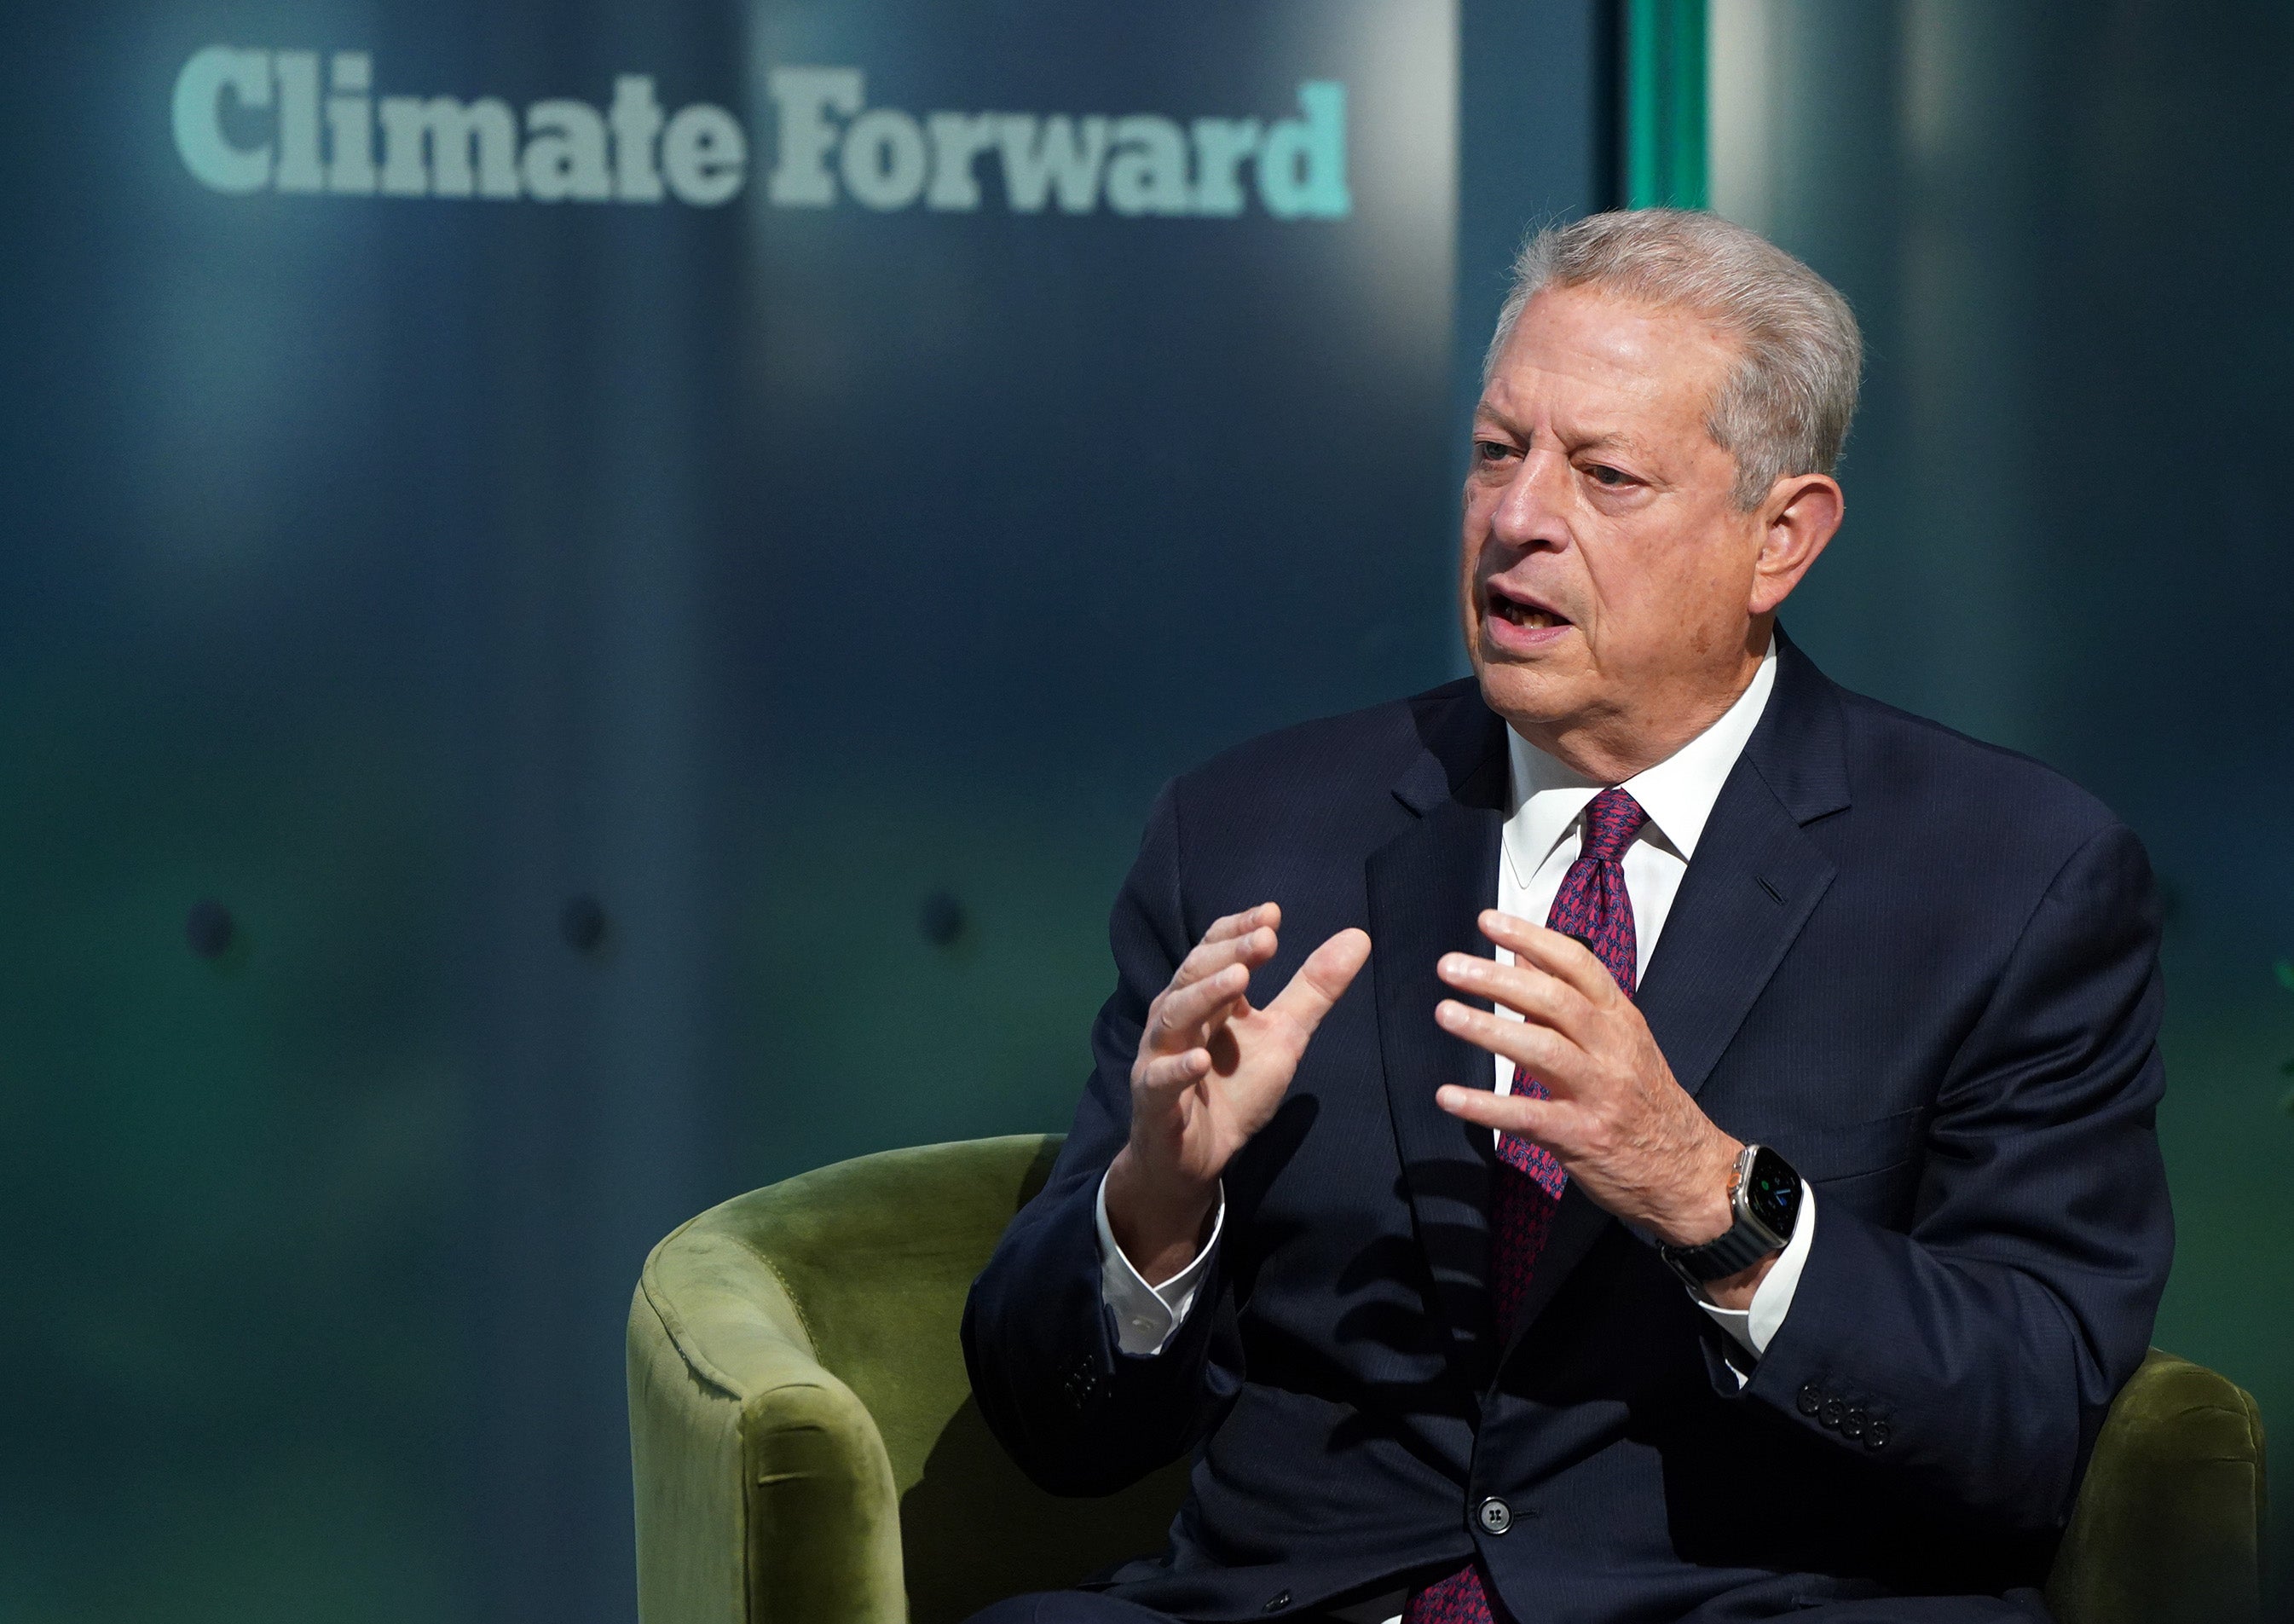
pixel 1611 822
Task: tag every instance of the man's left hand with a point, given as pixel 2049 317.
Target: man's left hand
pixel 1624 1130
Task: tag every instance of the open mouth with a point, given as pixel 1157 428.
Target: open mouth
pixel 1536 617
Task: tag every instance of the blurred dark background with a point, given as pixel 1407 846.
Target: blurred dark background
pixel 520 720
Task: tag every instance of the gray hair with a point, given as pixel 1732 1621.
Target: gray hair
pixel 1789 401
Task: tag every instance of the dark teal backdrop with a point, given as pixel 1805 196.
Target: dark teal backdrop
pixel 528 712
pixel 2067 231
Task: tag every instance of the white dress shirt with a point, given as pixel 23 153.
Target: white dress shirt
pixel 1540 840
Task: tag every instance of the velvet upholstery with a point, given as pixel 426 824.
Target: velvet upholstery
pixel 806 1447
pixel 800 1418
pixel 2169 1522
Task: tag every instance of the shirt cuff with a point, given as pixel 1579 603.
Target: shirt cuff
pixel 1756 1326
pixel 1146 1315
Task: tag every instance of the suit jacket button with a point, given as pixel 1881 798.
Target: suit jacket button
pixel 1277 1602
pixel 1852 1425
pixel 1495 1515
pixel 1835 1411
pixel 1875 1435
pixel 1810 1400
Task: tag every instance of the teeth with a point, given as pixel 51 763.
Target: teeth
pixel 1521 614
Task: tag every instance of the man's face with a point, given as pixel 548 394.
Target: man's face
pixel 1608 579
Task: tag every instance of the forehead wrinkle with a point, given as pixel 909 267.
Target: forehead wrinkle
pixel 1596 373
pixel 1603 440
pixel 1570 438
pixel 1628 362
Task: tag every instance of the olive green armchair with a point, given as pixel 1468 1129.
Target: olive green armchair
pixel 807 1450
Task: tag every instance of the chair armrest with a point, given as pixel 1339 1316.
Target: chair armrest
pixel 2168 1523
pixel 764 1493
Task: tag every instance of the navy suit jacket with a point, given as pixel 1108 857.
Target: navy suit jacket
pixel 1923 968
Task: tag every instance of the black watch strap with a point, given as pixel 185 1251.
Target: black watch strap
pixel 1716 1260
pixel 1748 1239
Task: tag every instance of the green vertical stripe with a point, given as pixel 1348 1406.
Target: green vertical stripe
pixel 1664 103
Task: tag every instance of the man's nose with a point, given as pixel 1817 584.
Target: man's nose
pixel 1528 513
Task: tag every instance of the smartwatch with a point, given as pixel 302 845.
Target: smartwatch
pixel 1764 1198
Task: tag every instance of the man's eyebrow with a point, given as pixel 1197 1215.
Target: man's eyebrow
pixel 1608 439
pixel 1608 442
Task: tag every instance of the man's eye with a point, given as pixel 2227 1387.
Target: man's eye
pixel 1491 451
pixel 1604 475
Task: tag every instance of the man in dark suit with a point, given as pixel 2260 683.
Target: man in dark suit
pixel 1768 1230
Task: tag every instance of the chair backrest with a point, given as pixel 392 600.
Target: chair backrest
pixel 877 1254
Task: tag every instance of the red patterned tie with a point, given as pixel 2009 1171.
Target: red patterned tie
pixel 1592 906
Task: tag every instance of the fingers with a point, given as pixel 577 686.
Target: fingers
pixel 1267 915
pixel 1553 1059
pixel 1531 993
pixel 1240 938
pixel 1179 1016
pixel 1169 1073
pixel 1563 957
pixel 1214 974
pixel 1543 1121
pixel 1323 981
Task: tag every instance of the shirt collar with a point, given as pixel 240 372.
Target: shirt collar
pixel 1678 793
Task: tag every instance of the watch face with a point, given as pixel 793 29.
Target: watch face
pixel 1773 1193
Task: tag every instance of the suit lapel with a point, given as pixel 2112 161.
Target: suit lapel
pixel 1752 885
pixel 1426 887
pixel 1755 879
pixel 1756 876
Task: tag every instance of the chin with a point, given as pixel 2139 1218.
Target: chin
pixel 1527 694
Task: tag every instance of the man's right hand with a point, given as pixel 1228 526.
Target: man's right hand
pixel 1211 1072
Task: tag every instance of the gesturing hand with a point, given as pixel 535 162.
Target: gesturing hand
pixel 1627 1133
pixel 1211 1073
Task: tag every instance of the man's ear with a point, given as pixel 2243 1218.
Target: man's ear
pixel 1800 514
